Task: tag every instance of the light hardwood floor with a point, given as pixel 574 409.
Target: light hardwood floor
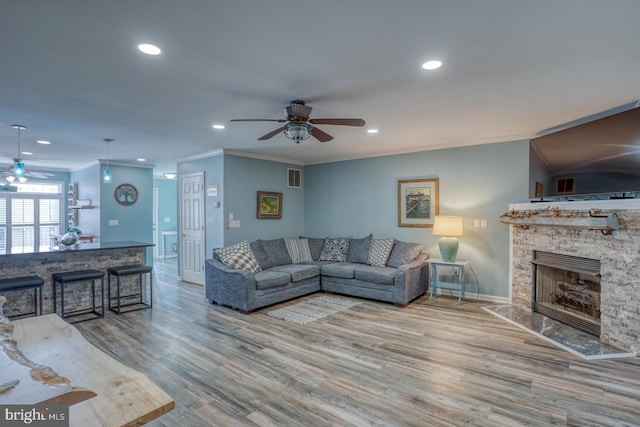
pixel 428 364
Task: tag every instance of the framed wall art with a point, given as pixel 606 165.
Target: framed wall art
pixel 269 205
pixel 417 202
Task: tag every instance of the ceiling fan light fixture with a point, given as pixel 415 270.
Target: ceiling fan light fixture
pixel 297 131
pixel 10 178
pixel 19 171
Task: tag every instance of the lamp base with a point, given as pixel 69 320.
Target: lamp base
pixel 448 248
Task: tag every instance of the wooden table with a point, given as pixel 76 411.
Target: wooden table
pixel 124 397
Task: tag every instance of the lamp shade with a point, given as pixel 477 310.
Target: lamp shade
pixel 450 226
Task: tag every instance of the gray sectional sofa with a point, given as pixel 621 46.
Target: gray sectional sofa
pixel 248 276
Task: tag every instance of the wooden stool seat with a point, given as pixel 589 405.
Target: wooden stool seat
pixel 21 283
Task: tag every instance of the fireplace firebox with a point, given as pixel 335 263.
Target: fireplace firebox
pixel 567 288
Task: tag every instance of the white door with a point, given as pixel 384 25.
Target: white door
pixel 192 240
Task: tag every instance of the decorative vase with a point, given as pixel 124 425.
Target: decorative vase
pixel 69 239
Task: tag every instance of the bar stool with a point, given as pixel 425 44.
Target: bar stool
pixel 70 277
pixel 130 270
pixel 22 283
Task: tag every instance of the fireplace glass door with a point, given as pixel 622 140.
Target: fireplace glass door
pixel 567 288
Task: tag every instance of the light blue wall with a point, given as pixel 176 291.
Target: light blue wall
pixel 167 209
pixel 243 178
pixel 135 222
pixel 355 198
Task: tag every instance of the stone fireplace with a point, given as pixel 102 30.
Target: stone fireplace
pixel 615 287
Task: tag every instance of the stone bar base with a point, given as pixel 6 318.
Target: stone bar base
pixel 44 264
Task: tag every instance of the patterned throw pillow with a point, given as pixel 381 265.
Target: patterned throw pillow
pixel 335 249
pixel 242 261
pixel 298 250
pixel 228 250
pixel 380 251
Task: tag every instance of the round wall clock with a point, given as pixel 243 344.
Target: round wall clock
pixel 126 194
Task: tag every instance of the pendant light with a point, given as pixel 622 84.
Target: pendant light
pixel 106 175
pixel 18 170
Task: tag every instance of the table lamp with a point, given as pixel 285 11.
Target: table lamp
pixel 449 227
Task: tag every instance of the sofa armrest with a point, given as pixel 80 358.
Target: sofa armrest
pixel 410 280
pixel 229 286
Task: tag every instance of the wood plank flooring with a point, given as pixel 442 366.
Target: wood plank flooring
pixel 428 364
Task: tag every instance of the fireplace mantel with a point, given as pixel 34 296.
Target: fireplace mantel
pixel 593 219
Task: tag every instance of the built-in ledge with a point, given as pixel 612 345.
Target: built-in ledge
pixel 593 219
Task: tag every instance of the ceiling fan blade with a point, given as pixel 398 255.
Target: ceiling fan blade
pixel 320 135
pixel 271 134
pixel 258 120
pixel 340 122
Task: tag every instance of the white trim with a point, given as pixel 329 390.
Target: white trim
pixel 472 296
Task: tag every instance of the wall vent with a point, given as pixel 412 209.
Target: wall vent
pixel 294 178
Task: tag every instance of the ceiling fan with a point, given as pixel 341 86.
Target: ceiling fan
pixel 299 126
pixel 17 171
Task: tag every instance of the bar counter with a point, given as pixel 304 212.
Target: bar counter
pixel 44 262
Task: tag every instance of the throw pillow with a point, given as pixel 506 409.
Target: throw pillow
pixel 277 251
pixel 359 249
pixel 315 245
pixel 298 250
pixel 228 250
pixel 403 253
pixel 380 251
pixel 263 258
pixel 335 249
pixel 242 261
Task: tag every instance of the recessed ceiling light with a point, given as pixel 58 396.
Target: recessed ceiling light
pixel 372 131
pixel 27 153
pixel 149 49
pixel 432 65
pixel 142 160
pixel 43 142
pixel 216 126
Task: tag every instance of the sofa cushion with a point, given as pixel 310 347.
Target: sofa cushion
pixel 277 251
pixel 298 271
pixel 266 279
pixel 359 249
pixel 241 260
pixel 380 275
pixel 315 245
pixel 380 251
pixel 403 253
pixel 335 249
pixel 263 258
pixel 298 250
pixel 342 269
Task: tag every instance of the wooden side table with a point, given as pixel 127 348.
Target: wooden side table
pixel 448 269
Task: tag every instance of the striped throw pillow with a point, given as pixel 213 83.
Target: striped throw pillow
pixel 299 250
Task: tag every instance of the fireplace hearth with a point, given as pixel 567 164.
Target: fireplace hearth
pixel 567 288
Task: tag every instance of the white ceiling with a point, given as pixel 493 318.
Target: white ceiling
pixel 71 73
